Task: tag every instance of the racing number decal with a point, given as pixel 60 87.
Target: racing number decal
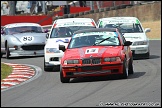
pixel 91 50
pixel 27 38
pixel 62 40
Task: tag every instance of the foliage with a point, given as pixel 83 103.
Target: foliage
pixel 5 70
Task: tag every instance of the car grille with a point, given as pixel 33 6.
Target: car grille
pixel 91 68
pixel 91 61
pixel 54 59
pixel 33 47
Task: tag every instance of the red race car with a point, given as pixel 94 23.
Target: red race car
pixel 96 52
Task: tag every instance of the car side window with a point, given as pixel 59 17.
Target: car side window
pixel 5 31
pixel 122 37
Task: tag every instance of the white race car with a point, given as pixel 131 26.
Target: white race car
pixel 132 30
pixel 60 34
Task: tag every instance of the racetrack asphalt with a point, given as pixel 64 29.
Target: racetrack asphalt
pixel 20 74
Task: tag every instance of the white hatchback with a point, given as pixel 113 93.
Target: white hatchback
pixel 60 34
pixel 132 30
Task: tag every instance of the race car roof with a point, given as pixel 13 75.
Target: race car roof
pixel 21 24
pixel 74 22
pixel 97 30
pixel 74 19
pixel 120 20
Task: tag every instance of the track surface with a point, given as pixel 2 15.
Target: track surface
pixel 47 90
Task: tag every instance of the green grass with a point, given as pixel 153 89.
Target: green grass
pixel 5 70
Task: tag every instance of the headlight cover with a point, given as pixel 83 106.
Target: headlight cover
pixel 140 43
pixel 112 59
pixel 14 39
pixel 71 62
pixel 52 50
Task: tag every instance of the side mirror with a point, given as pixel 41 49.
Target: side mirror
pixel 47 35
pixel 147 30
pixel 2 32
pixel 46 31
pixel 62 47
pixel 127 43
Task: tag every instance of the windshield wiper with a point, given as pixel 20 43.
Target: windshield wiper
pixel 101 41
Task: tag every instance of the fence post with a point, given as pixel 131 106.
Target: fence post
pixel 91 5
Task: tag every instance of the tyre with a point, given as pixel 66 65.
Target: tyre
pixel 63 79
pixel 7 52
pixel 46 68
pixel 1 55
pixel 125 71
pixel 130 68
pixel 147 55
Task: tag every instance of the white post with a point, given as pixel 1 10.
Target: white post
pixel 12 7
pixel 91 5
pixel 98 4
pixel 44 7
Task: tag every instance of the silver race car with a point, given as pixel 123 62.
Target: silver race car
pixel 22 39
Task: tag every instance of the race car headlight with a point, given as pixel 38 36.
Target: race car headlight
pixel 71 62
pixel 13 39
pixel 52 50
pixel 140 43
pixel 111 59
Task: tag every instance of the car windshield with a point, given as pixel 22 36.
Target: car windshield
pixel 93 39
pixel 126 27
pixel 67 31
pixel 24 29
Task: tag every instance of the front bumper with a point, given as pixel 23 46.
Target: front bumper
pixel 26 53
pixel 95 70
pixel 140 49
pixel 53 59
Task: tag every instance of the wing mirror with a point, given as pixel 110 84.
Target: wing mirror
pixel 147 30
pixel 2 32
pixel 62 47
pixel 46 31
pixel 127 43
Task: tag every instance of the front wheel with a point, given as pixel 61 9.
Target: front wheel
pixel 125 71
pixel 7 52
pixel 1 55
pixel 147 55
pixel 62 78
pixel 45 67
pixel 130 69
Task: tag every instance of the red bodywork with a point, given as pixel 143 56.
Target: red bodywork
pixel 99 68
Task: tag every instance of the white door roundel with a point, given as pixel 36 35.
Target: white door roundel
pixel 27 39
pixel 91 50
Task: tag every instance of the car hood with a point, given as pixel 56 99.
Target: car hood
pixel 93 51
pixel 26 38
pixel 135 36
pixel 54 42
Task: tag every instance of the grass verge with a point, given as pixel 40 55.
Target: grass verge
pixel 5 70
